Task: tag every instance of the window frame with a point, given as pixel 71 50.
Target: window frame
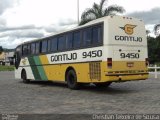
pixel 25 50
pixel 67 34
pixel 19 50
pixel 101 35
pixel 39 46
pixel 91 37
pixel 49 42
pixel 81 46
pixel 58 41
pixel 34 48
pixel 29 49
pixel 54 38
pixel 43 52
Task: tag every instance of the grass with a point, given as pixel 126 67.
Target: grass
pixel 6 68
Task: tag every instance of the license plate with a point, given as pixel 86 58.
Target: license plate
pixel 130 64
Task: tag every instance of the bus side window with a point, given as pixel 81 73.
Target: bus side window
pixel 61 43
pixel 44 46
pixel 54 44
pixel 33 48
pixel 87 36
pixel 69 41
pixel 49 45
pixel 29 49
pixel 19 51
pixel 77 40
pixel 97 35
pixel 37 48
pixel 25 50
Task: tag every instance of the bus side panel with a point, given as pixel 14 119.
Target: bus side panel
pixel 18 73
pixel 25 64
pixel 29 72
pixel 57 72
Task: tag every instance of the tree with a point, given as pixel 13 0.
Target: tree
pixel 99 10
pixel 148 32
pixel 1 49
pixel 157 29
pixel 154 49
pixel 157 53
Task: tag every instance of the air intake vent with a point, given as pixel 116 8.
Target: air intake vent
pixel 95 70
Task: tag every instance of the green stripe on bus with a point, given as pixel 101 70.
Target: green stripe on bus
pixel 35 71
pixel 40 68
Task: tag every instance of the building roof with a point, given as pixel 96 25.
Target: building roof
pixel 9 54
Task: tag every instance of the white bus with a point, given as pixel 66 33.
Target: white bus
pixel 106 50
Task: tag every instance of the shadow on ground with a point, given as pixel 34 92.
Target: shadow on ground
pixel 85 87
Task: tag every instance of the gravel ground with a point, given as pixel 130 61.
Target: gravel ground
pixel 136 97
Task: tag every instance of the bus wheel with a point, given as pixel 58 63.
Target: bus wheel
pixel 103 85
pixel 71 79
pixel 24 77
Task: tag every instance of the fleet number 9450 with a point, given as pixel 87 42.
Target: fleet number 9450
pixel 129 55
pixel 92 54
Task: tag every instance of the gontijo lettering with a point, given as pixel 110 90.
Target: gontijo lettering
pixel 128 38
pixel 64 57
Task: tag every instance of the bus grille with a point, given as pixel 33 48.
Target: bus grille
pixel 95 70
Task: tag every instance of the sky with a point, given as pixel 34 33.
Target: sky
pixel 24 20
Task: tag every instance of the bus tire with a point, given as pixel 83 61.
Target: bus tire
pixel 71 79
pixel 24 77
pixel 103 85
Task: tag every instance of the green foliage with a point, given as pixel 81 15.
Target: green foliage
pixel 6 68
pixel 147 32
pixel 154 49
pixel 99 10
pixel 156 29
